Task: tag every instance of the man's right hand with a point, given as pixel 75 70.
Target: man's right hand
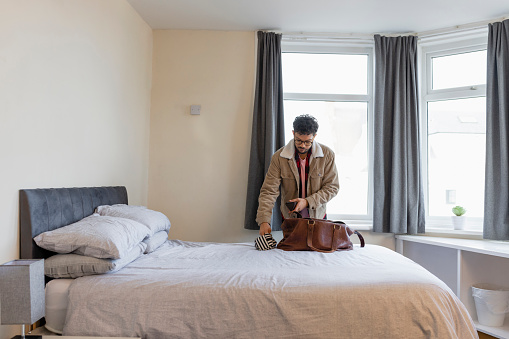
pixel 265 228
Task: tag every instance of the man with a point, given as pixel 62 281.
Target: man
pixel 307 173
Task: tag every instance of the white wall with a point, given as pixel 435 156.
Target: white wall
pixel 75 81
pixel 75 97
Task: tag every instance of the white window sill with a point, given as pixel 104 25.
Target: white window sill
pixel 432 230
pixel 490 247
pixel 451 233
pixel 359 225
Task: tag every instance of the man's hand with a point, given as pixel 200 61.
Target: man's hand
pixel 301 204
pixel 265 228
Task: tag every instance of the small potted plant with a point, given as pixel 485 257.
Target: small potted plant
pixel 458 220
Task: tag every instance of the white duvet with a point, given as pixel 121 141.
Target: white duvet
pixel 212 290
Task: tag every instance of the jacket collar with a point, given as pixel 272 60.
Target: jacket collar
pixel 288 151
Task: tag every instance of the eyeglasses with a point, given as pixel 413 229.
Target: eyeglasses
pixel 300 142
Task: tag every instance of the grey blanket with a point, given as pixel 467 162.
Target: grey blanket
pixel 211 290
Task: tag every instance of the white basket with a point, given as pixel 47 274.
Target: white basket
pixel 491 303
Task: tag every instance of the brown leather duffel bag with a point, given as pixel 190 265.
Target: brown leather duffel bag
pixel 308 234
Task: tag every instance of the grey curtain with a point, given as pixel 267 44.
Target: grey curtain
pixel 496 196
pixel 268 125
pixel 398 197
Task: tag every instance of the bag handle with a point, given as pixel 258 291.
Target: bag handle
pixel 361 238
pixel 350 232
pixel 335 238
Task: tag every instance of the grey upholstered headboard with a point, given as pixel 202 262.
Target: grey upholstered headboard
pixel 42 210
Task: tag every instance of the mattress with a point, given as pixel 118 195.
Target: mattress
pixel 56 291
pixel 212 290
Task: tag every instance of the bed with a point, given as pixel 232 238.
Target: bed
pixel 231 290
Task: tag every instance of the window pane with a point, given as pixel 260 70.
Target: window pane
pixel 465 69
pixel 456 155
pixel 342 127
pixel 325 73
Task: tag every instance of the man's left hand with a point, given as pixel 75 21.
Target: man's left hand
pixel 301 204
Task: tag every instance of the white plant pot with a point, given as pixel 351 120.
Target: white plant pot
pixel 458 222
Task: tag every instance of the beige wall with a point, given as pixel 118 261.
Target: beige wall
pixel 75 99
pixel 75 81
pixel 198 164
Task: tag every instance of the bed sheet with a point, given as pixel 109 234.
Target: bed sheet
pixel 217 290
pixel 56 296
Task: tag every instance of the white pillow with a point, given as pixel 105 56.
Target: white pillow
pixel 155 241
pixel 95 236
pixel 155 221
pixel 75 265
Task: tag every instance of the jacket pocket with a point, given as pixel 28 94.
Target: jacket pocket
pixel 289 188
pixel 315 181
pixel 289 183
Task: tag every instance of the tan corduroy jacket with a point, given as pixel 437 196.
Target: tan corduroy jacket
pixel 322 186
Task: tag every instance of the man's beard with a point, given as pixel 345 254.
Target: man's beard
pixel 302 150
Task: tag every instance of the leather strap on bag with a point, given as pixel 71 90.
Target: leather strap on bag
pixel 350 232
pixel 361 238
pixel 337 225
pixel 308 234
pixel 335 237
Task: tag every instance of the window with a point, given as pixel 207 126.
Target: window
pixel 335 86
pixel 333 81
pixel 454 125
pixel 453 71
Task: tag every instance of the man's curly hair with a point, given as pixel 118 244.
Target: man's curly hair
pixel 305 124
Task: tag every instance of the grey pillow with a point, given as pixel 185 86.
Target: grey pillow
pixel 155 241
pixel 155 221
pixel 75 265
pixel 95 236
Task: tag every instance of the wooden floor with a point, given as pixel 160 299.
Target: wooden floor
pixel 485 336
pixel 43 331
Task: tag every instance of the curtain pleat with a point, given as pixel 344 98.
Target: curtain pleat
pixel 398 195
pixel 268 124
pixel 496 199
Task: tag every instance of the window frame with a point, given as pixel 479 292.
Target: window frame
pixel 360 47
pixel 438 47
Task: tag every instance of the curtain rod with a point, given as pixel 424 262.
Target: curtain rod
pixel 460 28
pixel 289 36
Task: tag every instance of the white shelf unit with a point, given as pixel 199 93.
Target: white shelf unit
pixel 461 263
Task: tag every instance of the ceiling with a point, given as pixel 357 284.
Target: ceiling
pixel 324 16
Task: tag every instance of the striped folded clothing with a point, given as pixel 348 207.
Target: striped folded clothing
pixel 265 242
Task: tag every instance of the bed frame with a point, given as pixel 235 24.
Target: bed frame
pixel 42 210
